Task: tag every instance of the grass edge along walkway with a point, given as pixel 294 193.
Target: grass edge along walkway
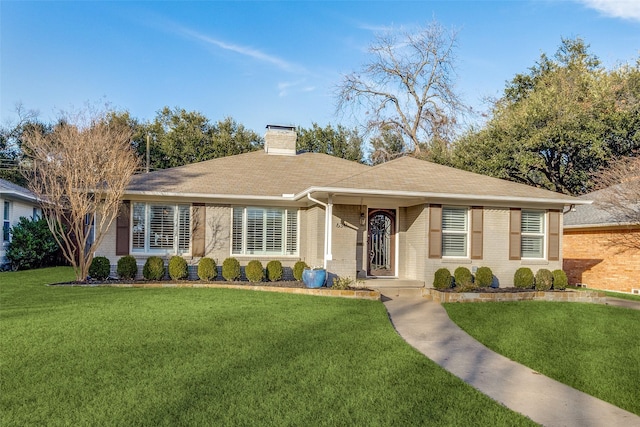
pixel 116 356
pixel 593 348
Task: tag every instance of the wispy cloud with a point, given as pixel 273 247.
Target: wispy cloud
pixel 625 9
pixel 242 50
pixel 284 88
pixel 374 28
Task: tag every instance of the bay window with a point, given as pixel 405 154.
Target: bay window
pixel 161 228
pixel 264 231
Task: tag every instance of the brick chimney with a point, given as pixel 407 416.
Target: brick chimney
pixel 280 140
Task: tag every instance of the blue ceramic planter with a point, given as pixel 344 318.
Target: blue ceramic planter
pixel 314 278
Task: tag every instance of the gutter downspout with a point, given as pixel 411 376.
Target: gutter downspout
pixel 328 215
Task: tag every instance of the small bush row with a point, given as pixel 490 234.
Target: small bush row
pixel 154 269
pixel 463 281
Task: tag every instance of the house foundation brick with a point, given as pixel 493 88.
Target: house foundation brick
pixel 592 259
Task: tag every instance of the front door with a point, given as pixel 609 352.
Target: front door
pixel 381 242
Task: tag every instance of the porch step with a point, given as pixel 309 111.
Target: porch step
pixel 396 287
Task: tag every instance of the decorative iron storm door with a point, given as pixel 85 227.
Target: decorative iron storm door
pixel 381 242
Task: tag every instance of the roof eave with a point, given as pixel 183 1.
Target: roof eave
pixel 432 195
pixel 364 192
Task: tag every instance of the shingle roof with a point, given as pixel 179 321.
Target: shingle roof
pixel 8 188
pixel 258 174
pixel 249 174
pixel 410 174
pixel 592 215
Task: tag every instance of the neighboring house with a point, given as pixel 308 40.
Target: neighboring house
pixel 592 256
pixel 405 218
pixel 16 202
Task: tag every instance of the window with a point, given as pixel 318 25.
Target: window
pixel 532 234
pixel 454 232
pixel 161 228
pixel 37 214
pixel 90 229
pixel 264 231
pixel 6 224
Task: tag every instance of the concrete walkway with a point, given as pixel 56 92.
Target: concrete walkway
pixel 619 302
pixel 427 327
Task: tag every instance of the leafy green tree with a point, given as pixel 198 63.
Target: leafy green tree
pixel 32 245
pixel 179 137
pixel 387 145
pixel 557 125
pixel 11 139
pixel 339 141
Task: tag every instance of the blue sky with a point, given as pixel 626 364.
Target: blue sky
pixel 270 62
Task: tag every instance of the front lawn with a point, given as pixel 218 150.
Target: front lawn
pixel 128 356
pixel 593 348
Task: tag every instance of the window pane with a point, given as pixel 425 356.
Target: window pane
pixel 292 232
pixel 454 245
pixel 454 232
pixel 184 228
pixel 532 247
pixel 138 226
pixel 237 231
pixel 6 225
pixel 454 219
pixel 274 230
pixel 161 226
pixel 255 230
pixel 531 222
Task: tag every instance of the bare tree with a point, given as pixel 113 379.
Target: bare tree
pixel 79 171
pixel 407 86
pixel 620 198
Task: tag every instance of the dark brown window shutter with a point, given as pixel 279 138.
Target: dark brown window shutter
pixel 435 231
pixel 198 236
pixel 515 225
pixel 477 217
pixel 122 229
pixel 554 236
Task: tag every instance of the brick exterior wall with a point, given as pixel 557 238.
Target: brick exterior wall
pixel 412 236
pixel 347 237
pixel 592 260
pixel 495 240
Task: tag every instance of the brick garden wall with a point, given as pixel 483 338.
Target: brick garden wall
pixel 591 259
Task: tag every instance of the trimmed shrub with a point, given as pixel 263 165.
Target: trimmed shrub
pixel 560 280
pixel 127 267
pixel 231 269
pixel 178 269
pixel 274 271
pixel 32 245
pixel 523 278
pixel 298 268
pixel 207 269
pixel 484 277
pixel 544 279
pixel 254 271
pixel 100 268
pixel 463 279
pixel 153 268
pixel 442 279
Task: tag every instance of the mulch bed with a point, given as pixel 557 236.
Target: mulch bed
pixel 279 284
pixel 510 290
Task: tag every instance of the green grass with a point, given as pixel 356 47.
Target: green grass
pixel 129 356
pixel 593 348
pixel 613 294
